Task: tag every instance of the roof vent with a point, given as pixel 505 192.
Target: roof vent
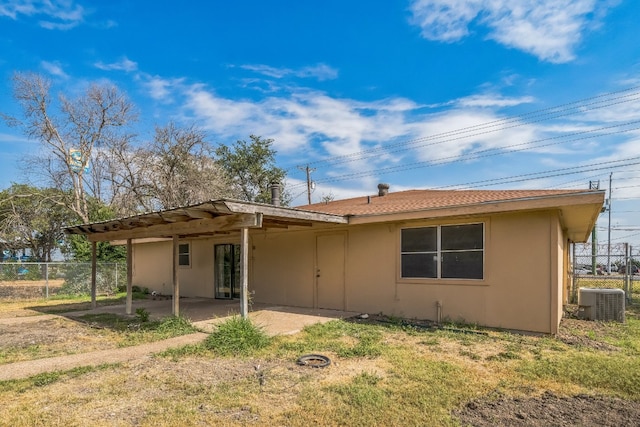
pixel 383 189
pixel 275 193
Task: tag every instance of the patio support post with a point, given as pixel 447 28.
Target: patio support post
pixel 176 282
pixel 244 272
pixel 129 275
pixel 94 267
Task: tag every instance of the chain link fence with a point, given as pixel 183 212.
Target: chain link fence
pixel 604 267
pixel 24 280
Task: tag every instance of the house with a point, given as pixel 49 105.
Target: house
pixel 497 258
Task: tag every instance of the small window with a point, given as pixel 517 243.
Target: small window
pixel 184 254
pixel 444 252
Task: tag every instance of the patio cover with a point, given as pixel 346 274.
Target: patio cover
pixel 202 219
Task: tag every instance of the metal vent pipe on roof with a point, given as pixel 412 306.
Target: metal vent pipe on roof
pixel 383 189
pixel 275 193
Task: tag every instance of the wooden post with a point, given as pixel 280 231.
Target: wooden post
pixel 94 267
pixel 176 281
pixel 129 276
pixel 244 272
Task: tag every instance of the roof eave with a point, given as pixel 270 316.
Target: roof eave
pixel 596 199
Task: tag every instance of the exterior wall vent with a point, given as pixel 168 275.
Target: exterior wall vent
pixel 601 304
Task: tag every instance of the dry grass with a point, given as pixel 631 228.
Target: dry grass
pixel 380 375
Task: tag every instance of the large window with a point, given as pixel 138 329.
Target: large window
pixel 443 252
pixel 184 254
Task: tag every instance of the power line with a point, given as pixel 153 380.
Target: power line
pixel 489 152
pixel 544 174
pixel 579 106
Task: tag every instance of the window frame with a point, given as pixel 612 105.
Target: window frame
pixel 438 253
pixel 182 254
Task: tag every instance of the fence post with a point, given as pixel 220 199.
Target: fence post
pixel 117 287
pixel 631 276
pixel 46 279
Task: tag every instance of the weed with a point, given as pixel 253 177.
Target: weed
pixel 236 336
pixel 174 326
pixel 142 314
pixel 176 353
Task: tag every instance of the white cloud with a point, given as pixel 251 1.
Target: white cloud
pixel 548 29
pixel 58 14
pixel 319 71
pixel 54 68
pixel 160 89
pixel 124 64
pixel 493 100
pixel 369 141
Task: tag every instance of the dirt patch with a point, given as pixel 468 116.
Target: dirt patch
pixel 585 333
pixel 53 283
pixel 549 409
pixel 28 289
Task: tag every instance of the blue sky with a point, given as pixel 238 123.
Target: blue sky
pixel 419 94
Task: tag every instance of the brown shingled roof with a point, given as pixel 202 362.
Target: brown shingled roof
pixel 416 200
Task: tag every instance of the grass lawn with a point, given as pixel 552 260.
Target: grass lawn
pixel 391 374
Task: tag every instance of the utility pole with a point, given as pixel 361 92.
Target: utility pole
pixel 609 230
pixel 308 170
pixel 594 185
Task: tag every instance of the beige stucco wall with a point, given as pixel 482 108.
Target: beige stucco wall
pixel 522 287
pixel 152 267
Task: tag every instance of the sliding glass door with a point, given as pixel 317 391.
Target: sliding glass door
pixel 227 271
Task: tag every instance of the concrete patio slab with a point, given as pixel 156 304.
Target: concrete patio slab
pixel 205 313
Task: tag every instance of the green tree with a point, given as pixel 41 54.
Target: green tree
pixel 33 218
pixel 79 247
pixel 252 169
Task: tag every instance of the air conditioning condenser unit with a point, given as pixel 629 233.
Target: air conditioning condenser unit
pixel 601 304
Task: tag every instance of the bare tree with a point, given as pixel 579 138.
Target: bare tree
pixel 175 169
pixel 72 130
pixel 183 170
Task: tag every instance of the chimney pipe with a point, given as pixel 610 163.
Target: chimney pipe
pixel 383 189
pixel 275 193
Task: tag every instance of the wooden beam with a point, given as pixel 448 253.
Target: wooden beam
pixel 244 273
pixel 198 213
pixel 284 213
pixel 185 228
pixel 129 276
pixel 176 280
pixel 287 222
